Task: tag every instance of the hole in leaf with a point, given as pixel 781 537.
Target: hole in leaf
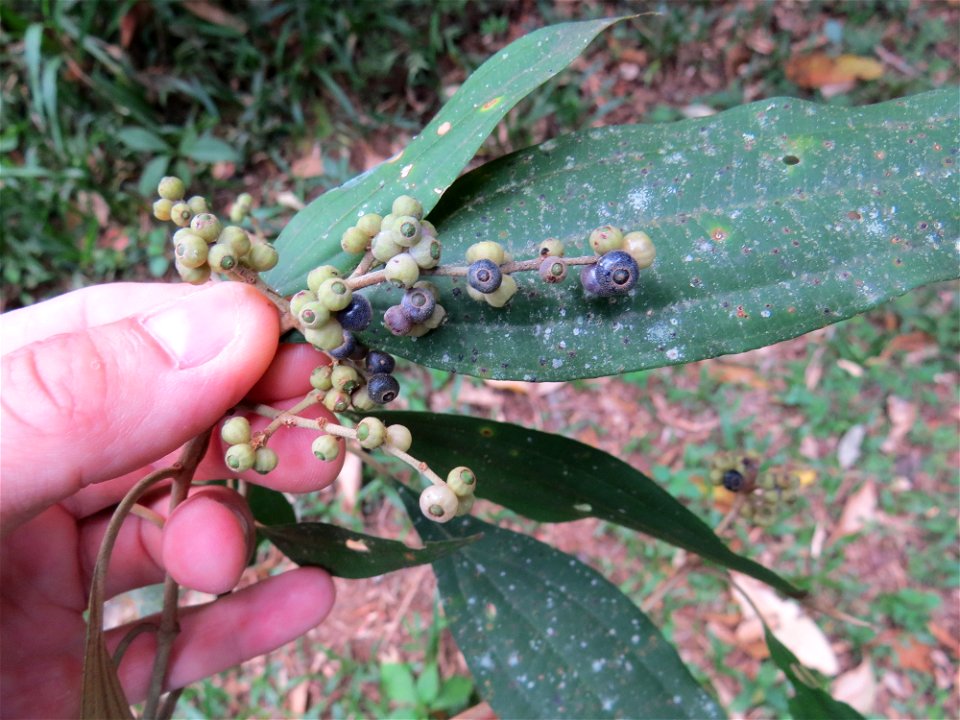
pixel 791 160
pixel 357 545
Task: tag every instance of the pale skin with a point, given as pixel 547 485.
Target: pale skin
pixel 100 387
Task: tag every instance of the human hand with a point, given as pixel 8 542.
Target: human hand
pixel 97 387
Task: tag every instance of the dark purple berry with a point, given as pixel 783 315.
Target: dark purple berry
pixel 357 315
pixel 484 276
pixel 733 480
pixel 588 278
pixel 382 388
pixel 616 273
pixel 379 362
pixel 418 304
pixel 396 320
pixel 345 350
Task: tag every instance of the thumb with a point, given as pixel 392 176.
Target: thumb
pixel 87 406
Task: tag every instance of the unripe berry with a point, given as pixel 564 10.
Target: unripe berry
pixel 408 230
pixel 245 200
pixel 191 251
pixel 335 294
pixel 322 377
pixel 361 400
pixel 640 247
pixel 399 436
pixel 180 214
pixel 465 505
pixel 387 222
pixel 486 250
pixel 437 317
pixel 237 238
pixel 240 458
pixel 385 245
pixel 428 227
pixel 345 378
pixel 550 247
pixel 161 209
pixel 236 431
pixel 313 314
pixel 265 460
pixel 371 433
pixel 194 276
pixel 502 295
pixel 406 205
pixel 439 503
pixel 354 240
pixel 326 447
pixel 369 224
pixel 336 401
pixel 462 481
pixel 171 188
pixel 299 300
pixel 221 257
pixel 198 204
pixel 206 226
pixel 605 239
pixel 319 274
pixel 262 257
pixel 426 253
pixel 326 337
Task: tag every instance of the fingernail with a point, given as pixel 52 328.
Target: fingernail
pixel 194 329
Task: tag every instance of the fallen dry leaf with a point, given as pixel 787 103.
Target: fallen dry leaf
pixel 859 510
pixel 729 373
pixel 945 638
pixel 903 415
pixel 817 70
pixel 309 165
pixel 848 449
pixel 857 688
pixel 212 13
pixel 914 655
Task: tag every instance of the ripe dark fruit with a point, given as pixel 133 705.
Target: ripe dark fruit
pixel 396 320
pixel 418 304
pixel 380 362
pixel 382 388
pixel 484 276
pixel 616 273
pixel 357 314
pixel 347 349
pixel 588 278
pixel 733 480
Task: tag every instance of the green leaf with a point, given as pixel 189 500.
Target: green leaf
pixel 398 683
pixel 141 140
pixel 209 149
pixel 434 158
pixel 809 702
pixel 150 177
pixel 454 693
pixel 546 636
pixel 551 478
pixel 752 247
pixel 348 554
pixel 428 684
pixel 270 507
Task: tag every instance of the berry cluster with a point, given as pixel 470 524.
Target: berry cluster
pixel 202 244
pixel 622 257
pixel 766 491
pixel 241 455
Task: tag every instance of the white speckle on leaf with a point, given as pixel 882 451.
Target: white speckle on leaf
pixel 406 170
pixel 639 199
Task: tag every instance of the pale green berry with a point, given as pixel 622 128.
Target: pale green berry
pixel 262 257
pixel 335 294
pixel 426 253
pixel 462 481
pixel 486 250
pixel 387 222
pixel 427 285
pixel 476 294
pixel 436 318
pixel 384 245
pixel 191 251
pixel 171 188
pixel 465 505
pixel 640 247
pixel 551 247
pixel 406 205
pixel 336 401
pixel 326 447
pixel 198 204
pixel 501 296
pixel 606 239
pixel 237 213
pixel 321 377
pixel 399 436
pixel 236 431
pixel 360 400
pixel 439 503
pixel 194 276
pixel 313 314
pixel 319 274
pixel 354 240
pixel 408 230
pixel 428 228
pixel 265 460
pixel 221 257
pixel 206 226
pixel 161 209
pixel 181 233
pixel 402 270
pixel 245 200
pixel 240 458
pixel 328 336
pixel 180 214
pixel 345 378
pixel 369 224
pixel 417 330
pixel 371 433
pixel 237 238
pixel 298 300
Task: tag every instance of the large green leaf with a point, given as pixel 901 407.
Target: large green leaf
pixel 546 636
pixel 348 554
pixel 770 220
pixel 434 158
pixel 809 702
pixel 551 478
